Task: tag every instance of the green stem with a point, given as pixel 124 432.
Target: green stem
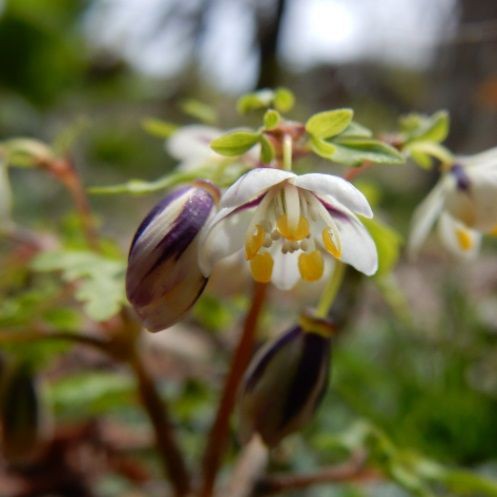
pixel 330 290
pixel 287 152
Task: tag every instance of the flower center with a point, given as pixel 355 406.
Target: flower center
pixel 282 225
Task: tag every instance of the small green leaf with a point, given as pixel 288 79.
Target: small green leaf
pixel 322 148
pixel 254 101
pixel 235 143
pixel 267 150
pixel 281 98
pixel 434 129
pixel 353 151
pixel 421 151
pixel 388 243
pixel 284 100
pixel 271 119
pixel 421 158
pixel 100 280
pixel 199 110
pixel 158 128
pixel 356 130
pixel 329 123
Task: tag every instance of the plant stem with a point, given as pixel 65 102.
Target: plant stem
pixel 173 463
pixel 330 290
pixel 216 442
pixel 351 470
pixel 287 152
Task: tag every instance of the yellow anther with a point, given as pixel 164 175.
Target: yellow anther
pixel 261 267
pixel 296 233
pixel 311 265
pixel 331 243
pixel 254 242
pixel 493 231
pixel 464 239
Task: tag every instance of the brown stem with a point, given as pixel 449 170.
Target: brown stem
pixel 352 173
pixel 352 470
pixel 173 463
pixel 216 442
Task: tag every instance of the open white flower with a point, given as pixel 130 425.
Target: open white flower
pixel 465 203
pixel 287 224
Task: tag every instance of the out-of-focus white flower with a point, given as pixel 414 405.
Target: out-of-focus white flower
pixel 191 146
pixel 288 224
pixel 464 202
pixel 163 279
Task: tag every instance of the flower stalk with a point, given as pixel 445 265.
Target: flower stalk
pixel 216 442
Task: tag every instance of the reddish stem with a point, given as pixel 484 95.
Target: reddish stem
pixel 216 442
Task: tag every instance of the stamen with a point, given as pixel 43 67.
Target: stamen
pixel 254 242
pixel 275 235
pixel 311 265
pixel 300 232
pixel 261 267
pixel 493 231
pixel 332 243
pixel 304 245
pixel 464 239
pixel 268 241
pixel 292 206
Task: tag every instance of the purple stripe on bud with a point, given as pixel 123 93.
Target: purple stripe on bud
pixel 285 383
pixel 163 279
pixel 334 211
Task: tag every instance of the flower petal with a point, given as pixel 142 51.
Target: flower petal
pixel 484 160
pixel 192 143
pixel 328 185
pixel 225 235
pixel 358 248
pixel 253 184
pixel 462 241
pixel 285 270
pixel 425 215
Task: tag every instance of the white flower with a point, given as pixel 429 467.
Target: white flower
pixel 465 203
pixel 191 146
pixel 287 223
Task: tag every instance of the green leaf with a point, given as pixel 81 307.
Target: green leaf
pixel 388 243
pixel 284 100
pixel 329 123
pixel 5 196
pixel 100 280
pixel 158 128
pixel 422 151
pixel 322 148
pixel 353 151
pixel 356 130
pixel 267 150
pixel 434 128
pixel 271 119
pixel 199 110
pixel 281 98
pixel 235 143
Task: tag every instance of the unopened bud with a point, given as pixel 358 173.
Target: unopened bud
pixel 286 381
pixel 163 280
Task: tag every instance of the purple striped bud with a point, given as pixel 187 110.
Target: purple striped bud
pixel 163 280
pixel 286 381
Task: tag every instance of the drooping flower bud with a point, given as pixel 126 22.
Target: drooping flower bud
pixel 163 280
pixel 24 420
pixel 286 381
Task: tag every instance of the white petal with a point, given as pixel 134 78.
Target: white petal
pixel 337 188
pixel 448 228
pixel 192 144
pixel 222 237
pixel 425 216
pixel 285 270
pixel 485 160
pixel 476 207
pixel 358 248
pixel 253 184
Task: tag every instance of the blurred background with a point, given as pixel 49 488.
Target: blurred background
pixel 97 68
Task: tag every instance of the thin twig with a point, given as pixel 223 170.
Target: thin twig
pixel 216 442
pixel 352 470
pixel 22 337
pixel 173 463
